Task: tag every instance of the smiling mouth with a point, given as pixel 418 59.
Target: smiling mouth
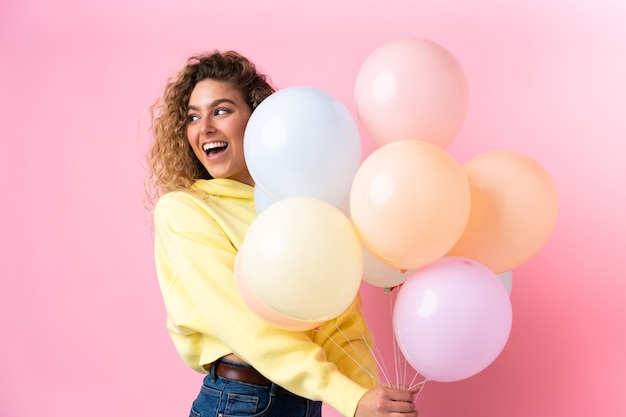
pixel 214 149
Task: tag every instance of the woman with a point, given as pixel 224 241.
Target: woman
pixel 205 205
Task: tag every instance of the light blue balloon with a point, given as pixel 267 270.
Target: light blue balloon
pixel 303 142
pixel 507 280
pixel 261 200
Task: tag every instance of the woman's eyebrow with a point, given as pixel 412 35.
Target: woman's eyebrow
pixel 214 103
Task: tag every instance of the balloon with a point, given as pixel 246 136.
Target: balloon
pixel 261 200
pixel 507 280
pixel 410 203
pixel 302 259
pixel 452 319
pixel 302 142
pixel 379 274
pixel 411 89
pixel 513 211
pixel 261 309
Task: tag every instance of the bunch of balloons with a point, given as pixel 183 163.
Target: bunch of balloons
pixel 301 262
pixel 409 216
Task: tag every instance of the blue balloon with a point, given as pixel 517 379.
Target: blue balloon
pixel 303 142
pixel 261 200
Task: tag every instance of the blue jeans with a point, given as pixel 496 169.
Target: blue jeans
pixel 221 397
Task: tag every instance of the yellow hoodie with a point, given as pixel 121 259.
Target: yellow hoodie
pixel 196 241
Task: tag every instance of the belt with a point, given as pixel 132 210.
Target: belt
pixel 240 373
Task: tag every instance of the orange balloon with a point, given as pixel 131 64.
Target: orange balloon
pixel 409 202
pixel 513 211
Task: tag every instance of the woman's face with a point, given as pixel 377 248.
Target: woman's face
pixel 217 117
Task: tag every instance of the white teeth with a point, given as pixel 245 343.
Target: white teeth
pixel 213 145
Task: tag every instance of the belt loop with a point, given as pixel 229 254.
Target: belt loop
pixel 212 371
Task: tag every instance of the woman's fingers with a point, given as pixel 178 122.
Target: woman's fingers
pixel 383 401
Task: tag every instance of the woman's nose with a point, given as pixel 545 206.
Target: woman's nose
pixel 207 126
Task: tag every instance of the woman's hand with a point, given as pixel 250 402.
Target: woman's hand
pixel 383 401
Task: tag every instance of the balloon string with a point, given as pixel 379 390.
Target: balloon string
pixel 363 362
pixel 395 348
pixel 369 347
pixel 375 351
pixel 367 369
pixel 405 373
pixel 400 371
pixel 422 383
pixel 413 381
pixel 401 364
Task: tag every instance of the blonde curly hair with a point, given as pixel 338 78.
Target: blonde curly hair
pixel 172 164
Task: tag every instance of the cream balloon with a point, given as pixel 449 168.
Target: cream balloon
pixel 261 309
pixel 303 259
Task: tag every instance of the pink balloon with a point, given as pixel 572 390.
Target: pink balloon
pixel 411 89
pixel 261 309
pixel 452 319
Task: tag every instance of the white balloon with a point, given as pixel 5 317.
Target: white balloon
pixel 261 200
pixel 303 142
pixel 507 280
pixel 302 259
pixel 379 274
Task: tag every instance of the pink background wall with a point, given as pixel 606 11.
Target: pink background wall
pixel 81 319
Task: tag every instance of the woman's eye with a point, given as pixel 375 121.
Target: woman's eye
pixel 192 118
pixel 220 111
